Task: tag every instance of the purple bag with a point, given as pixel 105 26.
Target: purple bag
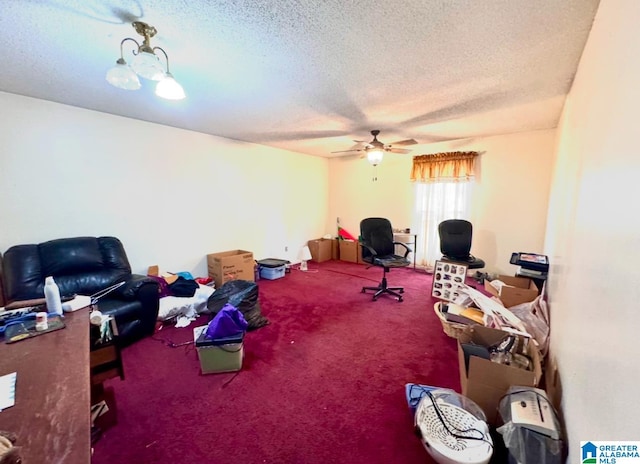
pixel 227 323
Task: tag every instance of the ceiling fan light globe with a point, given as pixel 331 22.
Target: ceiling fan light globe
pixel 148 65
pixel 122 76
pixel 375 157
pixel 169 88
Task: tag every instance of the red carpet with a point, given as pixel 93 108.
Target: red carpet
pixel 323 383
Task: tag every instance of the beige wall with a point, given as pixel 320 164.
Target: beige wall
pixel 510 199
pixel 593 235
pixel 170 195
pixel 510 202
pixel 354 195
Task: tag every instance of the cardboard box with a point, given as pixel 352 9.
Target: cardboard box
pixel 217 358
pixel 486 382
pixel 320 249
pixel 349 251
pixel 522 290
pixel 360 260
pixel 335 248
pixel 231 265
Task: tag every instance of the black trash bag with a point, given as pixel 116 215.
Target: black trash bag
pixel 241 294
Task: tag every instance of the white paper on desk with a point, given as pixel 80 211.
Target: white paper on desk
pixel 79 302
pixel 8 390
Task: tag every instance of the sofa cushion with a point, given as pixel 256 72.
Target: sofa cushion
pixel 113 254
pixel 22 274
pixel 70 256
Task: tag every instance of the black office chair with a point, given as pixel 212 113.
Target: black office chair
pixel 378 249
pixel 455 243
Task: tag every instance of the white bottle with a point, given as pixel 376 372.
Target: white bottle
pixel 52 296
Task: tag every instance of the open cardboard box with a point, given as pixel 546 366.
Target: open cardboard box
pixel 231 265
pixel 320 249
pixel 485 382
pixel 520 290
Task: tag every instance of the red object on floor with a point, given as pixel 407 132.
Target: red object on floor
pixel 322 383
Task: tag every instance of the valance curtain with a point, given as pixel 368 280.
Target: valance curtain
pixel 455 166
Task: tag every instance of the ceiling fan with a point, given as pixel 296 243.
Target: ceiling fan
pixel 375 149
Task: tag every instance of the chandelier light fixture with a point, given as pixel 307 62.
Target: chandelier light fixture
pixel 146 64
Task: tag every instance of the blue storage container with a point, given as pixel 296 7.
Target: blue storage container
pixel 272 273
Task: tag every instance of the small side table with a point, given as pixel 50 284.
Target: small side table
pixel 411 240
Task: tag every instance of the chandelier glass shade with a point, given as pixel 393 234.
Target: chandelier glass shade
pixel 123 77
pixel 169 88
pixel 145 63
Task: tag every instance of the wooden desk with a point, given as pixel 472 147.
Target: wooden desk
pixel 51 417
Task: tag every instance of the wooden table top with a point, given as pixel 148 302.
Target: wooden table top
pixel 51 416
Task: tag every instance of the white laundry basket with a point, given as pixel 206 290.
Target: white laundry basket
pixel 453 429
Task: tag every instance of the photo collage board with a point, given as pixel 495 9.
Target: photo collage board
pixel 447 280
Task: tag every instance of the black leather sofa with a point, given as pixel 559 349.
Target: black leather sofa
pixel 84 266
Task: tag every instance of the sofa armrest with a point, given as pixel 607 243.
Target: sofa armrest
pixel 133 284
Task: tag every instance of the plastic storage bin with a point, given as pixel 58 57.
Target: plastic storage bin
pixel 272 273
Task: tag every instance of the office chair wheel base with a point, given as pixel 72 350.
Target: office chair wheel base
pixel 383 289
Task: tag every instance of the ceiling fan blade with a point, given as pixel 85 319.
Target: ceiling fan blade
pixel 286 136
pixel 404 142
pixel 487 102
pixel 345 151
pixel 404 151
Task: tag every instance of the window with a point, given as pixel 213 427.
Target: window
pixel 434 203
pixel 443 186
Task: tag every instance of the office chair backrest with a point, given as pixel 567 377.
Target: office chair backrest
pixel 378 233
pixel 455 237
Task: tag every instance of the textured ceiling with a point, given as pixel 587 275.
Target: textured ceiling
pixel 310 75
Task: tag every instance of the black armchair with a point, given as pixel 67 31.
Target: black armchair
pixel 84 266
pixel 455 243
pixel 378 249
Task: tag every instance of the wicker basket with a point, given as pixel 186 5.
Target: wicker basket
pixel 452 329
